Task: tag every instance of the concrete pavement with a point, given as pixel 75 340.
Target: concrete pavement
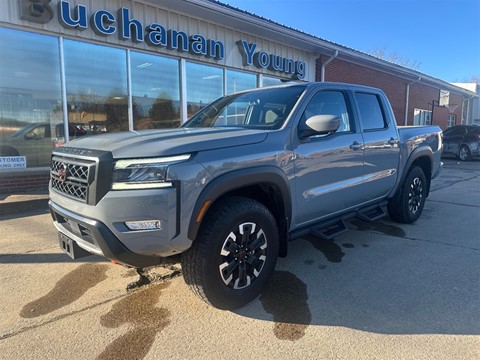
pixel 28 201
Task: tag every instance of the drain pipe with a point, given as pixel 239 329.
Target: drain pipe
pixel 407 98
pixel 322 78
pixel 468 110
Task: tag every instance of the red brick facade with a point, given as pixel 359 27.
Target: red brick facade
pixel 395 87
pixel 19 182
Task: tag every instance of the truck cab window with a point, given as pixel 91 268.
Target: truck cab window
pixel 329 103
pixel 370 111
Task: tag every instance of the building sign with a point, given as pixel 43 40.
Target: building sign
pixel 122 24
pixel 106 23
pixel 262 59
pixel 13 162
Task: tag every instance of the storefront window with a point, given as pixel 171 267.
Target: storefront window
pixel 239 81
pixel 30 98
pixel 269 81
pixel 97 97
pixel 155 91
pixel 204 84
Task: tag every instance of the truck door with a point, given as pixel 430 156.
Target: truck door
pixel 37 145
pixel 328 168
pixel 381 145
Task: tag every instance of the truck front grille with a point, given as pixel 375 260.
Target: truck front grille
pixel 72 177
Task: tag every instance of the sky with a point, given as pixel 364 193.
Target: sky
pixel 442 35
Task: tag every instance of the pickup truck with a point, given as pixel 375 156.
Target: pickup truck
pixel 240 178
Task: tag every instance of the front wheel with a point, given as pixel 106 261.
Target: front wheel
pixel 8 151
pixel 234 255
pixel 407 204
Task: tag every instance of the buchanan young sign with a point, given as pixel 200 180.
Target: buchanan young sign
pixel 106 23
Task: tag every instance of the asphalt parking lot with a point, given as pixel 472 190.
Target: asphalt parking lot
pixel 379 291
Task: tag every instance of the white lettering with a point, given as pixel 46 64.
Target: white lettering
pixel 8 162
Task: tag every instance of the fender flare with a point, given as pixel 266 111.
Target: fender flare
pixel 416 154
pixel 238 179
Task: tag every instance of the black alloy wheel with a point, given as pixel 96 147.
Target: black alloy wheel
pixel 407 204
pixel 234 254
pixel 415 196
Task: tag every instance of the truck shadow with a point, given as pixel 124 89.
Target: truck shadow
pixel 45 258
pixel 386 286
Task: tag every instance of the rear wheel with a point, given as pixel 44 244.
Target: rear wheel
pixel 464 153
pixel 407 204
pixel 234 254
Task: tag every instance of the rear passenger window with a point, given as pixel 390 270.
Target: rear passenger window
pixel 370 111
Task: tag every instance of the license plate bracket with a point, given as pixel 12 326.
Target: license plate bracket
pixel 71 248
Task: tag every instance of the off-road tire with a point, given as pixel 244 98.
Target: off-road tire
pixel 407 204
pixel 217 268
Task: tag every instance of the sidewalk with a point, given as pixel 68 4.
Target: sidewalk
pixel 16 203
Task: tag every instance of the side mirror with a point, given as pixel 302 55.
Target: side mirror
pixel 320 125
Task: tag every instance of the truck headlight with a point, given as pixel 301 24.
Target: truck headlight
pixel 143 173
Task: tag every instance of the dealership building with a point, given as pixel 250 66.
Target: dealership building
pixel 71 68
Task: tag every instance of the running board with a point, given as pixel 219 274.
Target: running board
pixel 372 214
pixel 329 230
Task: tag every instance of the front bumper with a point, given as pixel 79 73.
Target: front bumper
pixel 96 238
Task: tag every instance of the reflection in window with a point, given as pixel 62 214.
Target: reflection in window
pixel 30 95
pixel 155 91
pixel 264 109
pixel 204 84
pixel 96 78
pixel 329 103
pixel 370 111
pixel 239 81
pixel 269 81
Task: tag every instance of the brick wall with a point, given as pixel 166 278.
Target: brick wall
pixel 395 88
pixel 18 182
pixel 456 99
pixel 421 97
pixel 343 71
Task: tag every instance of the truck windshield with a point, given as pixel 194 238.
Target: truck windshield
pixel 260 109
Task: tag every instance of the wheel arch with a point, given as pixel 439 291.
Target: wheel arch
pixel 7 150
pixel 422 157
pixel 267 184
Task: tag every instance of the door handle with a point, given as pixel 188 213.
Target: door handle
pixel 355 146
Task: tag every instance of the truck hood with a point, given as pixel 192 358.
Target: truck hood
pixel 151 143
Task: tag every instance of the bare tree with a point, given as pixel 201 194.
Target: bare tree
pixel 382 53
pixel 475 79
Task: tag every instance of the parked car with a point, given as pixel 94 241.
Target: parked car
pixel 34 141
pixel 463 141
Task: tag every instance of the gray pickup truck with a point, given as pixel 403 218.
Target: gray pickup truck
pixel 247 173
